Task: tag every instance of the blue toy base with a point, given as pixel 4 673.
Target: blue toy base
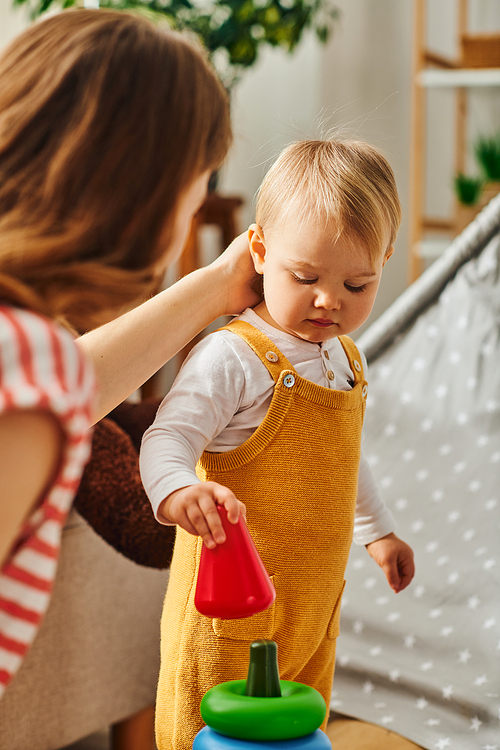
pixel 207 739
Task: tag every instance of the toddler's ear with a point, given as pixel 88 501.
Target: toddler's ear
pixel 257 247
pixel 388 255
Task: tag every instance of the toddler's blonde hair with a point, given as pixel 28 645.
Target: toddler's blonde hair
pixel 348 185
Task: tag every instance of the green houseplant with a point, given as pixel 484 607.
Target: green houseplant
pixel 233 31
pixel 468 189
pixel 474 192
pixel 487 151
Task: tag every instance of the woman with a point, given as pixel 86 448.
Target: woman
pixel 109 129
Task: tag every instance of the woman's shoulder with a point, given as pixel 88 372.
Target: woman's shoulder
pixel 40 364
pixel 18 323
pixel 42 373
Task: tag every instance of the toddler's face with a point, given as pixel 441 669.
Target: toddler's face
pixel 315 287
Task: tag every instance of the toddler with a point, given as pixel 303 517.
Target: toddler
pixel 266 417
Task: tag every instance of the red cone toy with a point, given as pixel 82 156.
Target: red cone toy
pixel 232 580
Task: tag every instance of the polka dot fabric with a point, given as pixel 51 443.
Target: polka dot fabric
pixel 426 663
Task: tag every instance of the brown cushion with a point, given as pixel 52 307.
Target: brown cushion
pixel 111 497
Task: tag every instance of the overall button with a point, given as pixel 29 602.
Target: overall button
pixel 272 356
pixel 364 391
pixel 325 352
pixel 330 375
pixel 357 366
pixel 288 381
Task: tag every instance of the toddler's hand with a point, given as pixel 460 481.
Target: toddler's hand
pixel 395 558
pixel 194 509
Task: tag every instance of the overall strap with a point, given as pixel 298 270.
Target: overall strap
pixel 268 353
pixel 354 357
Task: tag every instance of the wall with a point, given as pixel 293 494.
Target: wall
pixel 358 84
pixel 275 102
pixel 12 21
pixel 366 74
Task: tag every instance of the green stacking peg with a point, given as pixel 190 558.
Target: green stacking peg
pixel 263 708
pixel 263 678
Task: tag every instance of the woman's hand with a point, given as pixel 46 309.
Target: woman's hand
pixel 242 284
pixel 194 508
pixel 127 351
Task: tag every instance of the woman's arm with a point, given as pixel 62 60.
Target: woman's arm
pixel 30 446
pixel 129 350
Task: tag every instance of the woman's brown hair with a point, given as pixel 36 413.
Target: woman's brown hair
pixel 105 120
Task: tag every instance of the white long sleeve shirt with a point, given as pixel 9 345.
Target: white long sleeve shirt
pixel 220 397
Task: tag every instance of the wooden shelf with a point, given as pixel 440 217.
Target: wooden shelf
pixel 459 78
pixel 476 66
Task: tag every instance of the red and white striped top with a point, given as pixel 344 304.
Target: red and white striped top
pixel 41 367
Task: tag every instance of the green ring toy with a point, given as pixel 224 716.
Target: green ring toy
pixel 263 708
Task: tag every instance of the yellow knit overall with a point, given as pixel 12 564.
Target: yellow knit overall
pixel 297 475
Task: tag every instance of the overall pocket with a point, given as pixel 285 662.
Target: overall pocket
pixel 334 624
pixel 248 629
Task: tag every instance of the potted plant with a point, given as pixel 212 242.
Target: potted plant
pixel 473 193
pixel 468 190
pixel 233 31
pixel 487 151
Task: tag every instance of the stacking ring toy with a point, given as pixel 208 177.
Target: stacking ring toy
pixel 263 707
pixel 207 739
pixel 299 711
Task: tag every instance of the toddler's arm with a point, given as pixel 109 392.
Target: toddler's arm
pixel 202 401
pixel 373 519
pixel 395 557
